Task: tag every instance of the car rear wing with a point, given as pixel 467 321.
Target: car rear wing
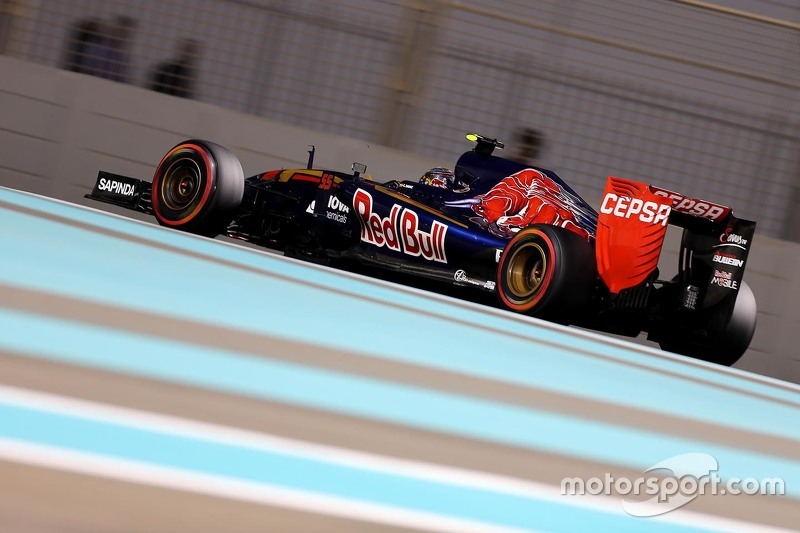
pixel 630 234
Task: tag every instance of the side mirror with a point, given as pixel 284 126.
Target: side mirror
pixel 358 169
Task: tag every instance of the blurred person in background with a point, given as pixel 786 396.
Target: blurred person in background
pixel 83 37
pixel 177 76
pixel 9 10
pixel 529 146
pixel 107 54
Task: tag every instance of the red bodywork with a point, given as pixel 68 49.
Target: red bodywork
pixel 525 198
pixel 631 226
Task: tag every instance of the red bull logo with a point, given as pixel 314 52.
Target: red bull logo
pixel 400 230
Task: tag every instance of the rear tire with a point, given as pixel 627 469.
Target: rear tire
pixel 197 187
pixel 726 341
pixel 548 272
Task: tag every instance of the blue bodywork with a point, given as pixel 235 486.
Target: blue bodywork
pixel 472 245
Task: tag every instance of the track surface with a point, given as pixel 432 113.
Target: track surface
pixel 152 380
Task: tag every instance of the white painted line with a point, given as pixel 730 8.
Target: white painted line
pixel 171 425
pixel 131 471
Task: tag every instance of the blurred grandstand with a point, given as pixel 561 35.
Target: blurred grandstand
pixel 701 97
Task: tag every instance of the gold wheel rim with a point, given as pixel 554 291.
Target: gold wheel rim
pixel 526 270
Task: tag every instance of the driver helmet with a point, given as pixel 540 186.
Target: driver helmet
pixel 439 177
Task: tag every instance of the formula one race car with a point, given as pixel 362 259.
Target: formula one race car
pixel 491 225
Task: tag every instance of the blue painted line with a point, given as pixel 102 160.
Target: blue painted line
pixel 415 407
pixel 107 270
pixel 314 474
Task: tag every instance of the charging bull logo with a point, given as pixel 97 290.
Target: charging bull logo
pixel 524 198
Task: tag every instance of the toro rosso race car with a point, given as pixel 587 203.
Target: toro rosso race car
pixel 491 225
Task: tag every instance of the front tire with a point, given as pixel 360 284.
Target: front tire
pixel 548 272
pixel 197 187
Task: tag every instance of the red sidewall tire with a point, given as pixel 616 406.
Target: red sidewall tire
pixel 547 271
pixel 198 186
pixel 534 235
pixel 180 217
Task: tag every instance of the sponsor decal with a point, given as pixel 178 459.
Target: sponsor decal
pixel 497 253
pixel 625 207
pixel 337 205
pixel 723 274
pixel 337 210
pixel 116 187
pixel 727 259
pixel 333 203
pixel 728 238
pixel 399 231
pixel 690 206
pixel 725 279
pixel 337 217
pixel 461 277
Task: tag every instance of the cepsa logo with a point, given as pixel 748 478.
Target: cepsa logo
pixel 400 230
pixel 690 206
pixel 625 207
